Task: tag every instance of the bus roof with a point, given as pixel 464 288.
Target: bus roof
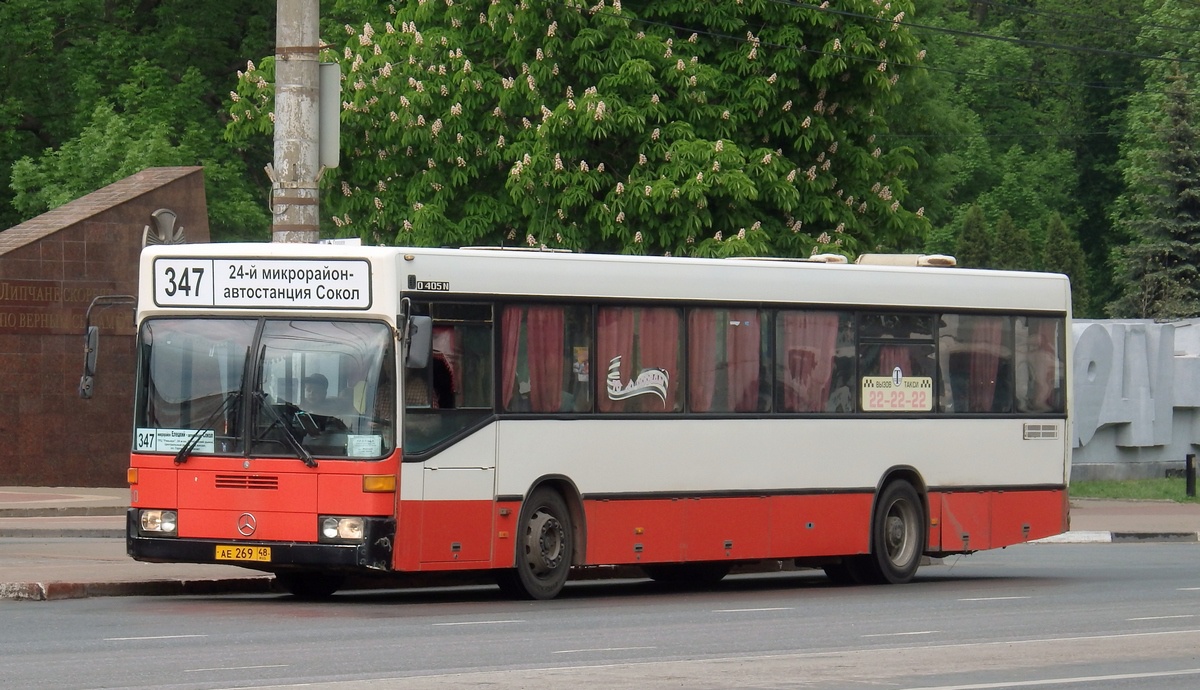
pixel 537 274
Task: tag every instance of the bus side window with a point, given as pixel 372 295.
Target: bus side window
pixel 807 357
pixel 1040 365
pixel 975 354
pixel 545 358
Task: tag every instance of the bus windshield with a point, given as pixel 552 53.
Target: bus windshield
pixel 267 387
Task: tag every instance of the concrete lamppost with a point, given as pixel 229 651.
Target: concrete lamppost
pixel 296 168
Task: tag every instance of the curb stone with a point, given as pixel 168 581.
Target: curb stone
pixel 53 591
pixel 1090 537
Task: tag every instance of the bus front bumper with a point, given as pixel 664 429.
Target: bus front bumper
pixel 373 553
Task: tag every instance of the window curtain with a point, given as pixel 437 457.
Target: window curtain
pixel 614 337
pixel 986 339
pixel 544 345
pixel 510 326
pixel 1045 362
pixel 445 341
pixel 743 346
pixel 658 346
pixel 892 356
pixel 702 358
pixel 809 343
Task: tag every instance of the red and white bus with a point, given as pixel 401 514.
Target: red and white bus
pixel 322 411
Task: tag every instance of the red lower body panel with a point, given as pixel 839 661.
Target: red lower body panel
pixel 670 530
pixel 976 520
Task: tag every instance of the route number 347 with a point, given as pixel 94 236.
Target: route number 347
pixel 185 281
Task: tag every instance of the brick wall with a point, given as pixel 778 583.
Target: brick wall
pixel 50 269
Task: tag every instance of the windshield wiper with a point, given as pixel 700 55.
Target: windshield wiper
pixel 182 456
pixel 287 434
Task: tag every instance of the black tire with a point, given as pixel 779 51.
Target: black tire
pixel 688 574
pixel 545 548
pixel 310 585
pixel 898 533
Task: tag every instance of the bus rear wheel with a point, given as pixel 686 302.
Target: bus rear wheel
pixel 898 532
pixel 545 548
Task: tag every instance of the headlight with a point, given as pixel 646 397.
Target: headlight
pixel 164 522
pixel 341 529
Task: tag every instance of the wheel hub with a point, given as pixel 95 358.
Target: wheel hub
pixel 896 534
pixel 547 542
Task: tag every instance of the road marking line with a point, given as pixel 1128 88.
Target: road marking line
pixel 994 598
pixel 1161 618
pixel 476 623
pixel 901 634
pixel 1062 681
pixel 233 668
pixel 600 649
pixel 153 637
pixel 1188 589
pixel 776 608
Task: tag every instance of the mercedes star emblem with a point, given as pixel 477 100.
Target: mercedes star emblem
pixel 246 524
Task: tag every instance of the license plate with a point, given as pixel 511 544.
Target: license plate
pixel 261 554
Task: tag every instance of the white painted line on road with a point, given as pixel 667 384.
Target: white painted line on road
pixel 1062 681
pixel 776 608
pixel 902 634
pixel 152 637
pixel 476 623
pixel 233 668
pixel 1161 618
pixel 1188 589
pixel 994 598
pixel 600 649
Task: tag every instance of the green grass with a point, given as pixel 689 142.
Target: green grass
pixel 1135 489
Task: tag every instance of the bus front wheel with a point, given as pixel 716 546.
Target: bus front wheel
pixel 545 547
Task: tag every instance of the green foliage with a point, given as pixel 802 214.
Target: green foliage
pixel 681 127
pixel 92 91
pixel 754 127
pixel 1063 254
pixel 1019 127
pixel 976 243
pixel 1159 212
pixel 1169 489
pixel 1013 248
pixel 1160 267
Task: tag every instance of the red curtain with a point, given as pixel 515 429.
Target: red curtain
pixel 986 339
pixel 658 348
pixel 510 334
pixel 743 346
pixel 702 358
pixel 892 356
pixel 544 346
pixel 614 338
pixel 809 345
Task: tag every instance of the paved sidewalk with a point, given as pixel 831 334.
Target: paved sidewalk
pixel 61 543
pixel 67 543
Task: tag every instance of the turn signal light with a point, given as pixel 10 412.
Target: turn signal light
pixel 379 483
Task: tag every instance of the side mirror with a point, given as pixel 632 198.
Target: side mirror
pixel 420 342
pixel 91 343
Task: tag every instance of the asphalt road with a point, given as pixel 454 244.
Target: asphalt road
pixel 1088 616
